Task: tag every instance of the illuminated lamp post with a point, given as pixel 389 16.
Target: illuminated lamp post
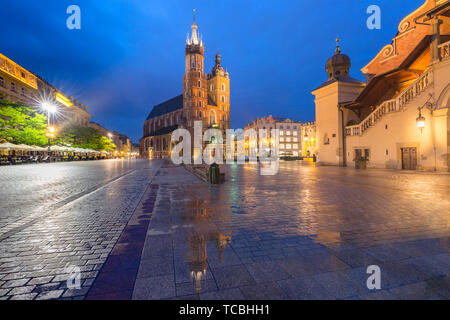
pixel 110 141
pixel 51 109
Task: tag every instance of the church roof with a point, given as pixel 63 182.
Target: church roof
pixel 163 131
pixel 168 106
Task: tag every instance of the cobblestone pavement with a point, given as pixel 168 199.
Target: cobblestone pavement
pixel 306 233
pixel 55 216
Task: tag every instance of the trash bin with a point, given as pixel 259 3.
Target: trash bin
pixel 214 174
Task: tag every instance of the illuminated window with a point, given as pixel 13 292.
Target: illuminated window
pixel 295 146
pixel 288 133
pixel 288 146
pixel 295 139
pixel 281 146
pixel 281 133
pixel 295 133
pixel 281 139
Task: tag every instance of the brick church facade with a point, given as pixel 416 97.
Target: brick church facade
pixel 205 98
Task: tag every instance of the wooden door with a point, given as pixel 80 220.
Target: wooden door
pixel 409 158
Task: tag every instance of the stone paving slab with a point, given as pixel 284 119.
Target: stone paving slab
pixel 306 233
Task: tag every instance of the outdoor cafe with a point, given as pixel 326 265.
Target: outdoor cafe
pixel 12 154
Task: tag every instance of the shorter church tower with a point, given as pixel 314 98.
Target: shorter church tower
pixel 219 94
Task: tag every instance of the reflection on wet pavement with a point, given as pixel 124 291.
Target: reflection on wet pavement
pixel 306 233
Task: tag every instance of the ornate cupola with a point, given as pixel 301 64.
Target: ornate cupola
pixel 338 65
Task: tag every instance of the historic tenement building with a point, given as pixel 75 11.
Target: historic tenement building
pixel 20 85
pixel 290 141
pixel 399 118
pixel 205 98
pixel 309 139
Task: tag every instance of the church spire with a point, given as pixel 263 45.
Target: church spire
pixel 338 50
pixel 194 40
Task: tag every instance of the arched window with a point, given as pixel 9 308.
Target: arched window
pixel 192 62
pixel 223 98
pixel 199 84
pixel 326 140
pixel 212 117
pixel 223 86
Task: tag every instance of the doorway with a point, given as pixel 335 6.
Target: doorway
pixel 409 158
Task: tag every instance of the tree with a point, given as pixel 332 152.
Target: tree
pixel 21 124
pixel 87 138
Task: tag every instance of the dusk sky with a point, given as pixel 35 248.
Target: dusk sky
pixel 129 55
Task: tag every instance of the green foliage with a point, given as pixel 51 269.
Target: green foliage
pixel 21 124
pixel 87 138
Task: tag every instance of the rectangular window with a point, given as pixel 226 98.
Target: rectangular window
pixel 13 86
pixel 295 133
pixel 281 139
pixel 295 146
pixel 2 82
pixel 295 140
pixel 288 146
pixel 23 91
pixel 288 133
pixel 281 133
pixel 281 146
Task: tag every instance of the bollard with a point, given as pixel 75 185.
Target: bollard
pixel 214 174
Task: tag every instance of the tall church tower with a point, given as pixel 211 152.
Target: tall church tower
pixel 195 94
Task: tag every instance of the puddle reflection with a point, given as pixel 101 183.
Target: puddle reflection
pixel 203 230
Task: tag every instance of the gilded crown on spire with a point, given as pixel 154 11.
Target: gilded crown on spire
pixel 338 50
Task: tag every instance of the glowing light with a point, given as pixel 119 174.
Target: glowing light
pixel 420 121
pixel 49 107
pixel 63 100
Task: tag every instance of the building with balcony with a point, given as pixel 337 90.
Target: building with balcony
pixel 20 85
pixel 399 117
pixel 205 98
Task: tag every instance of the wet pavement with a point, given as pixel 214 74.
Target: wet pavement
pixel 149 230
pixel 306 233
pixel 63 215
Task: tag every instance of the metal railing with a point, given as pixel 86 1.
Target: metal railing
pixel 390 106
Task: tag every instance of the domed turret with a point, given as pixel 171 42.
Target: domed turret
pixel 338 65
pixel 218 69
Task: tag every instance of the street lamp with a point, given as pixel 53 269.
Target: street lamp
pixel 51 109
pixel 420 121
pixel 50 135
pixel 110 138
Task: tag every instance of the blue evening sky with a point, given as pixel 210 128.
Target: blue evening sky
pixel 129 55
